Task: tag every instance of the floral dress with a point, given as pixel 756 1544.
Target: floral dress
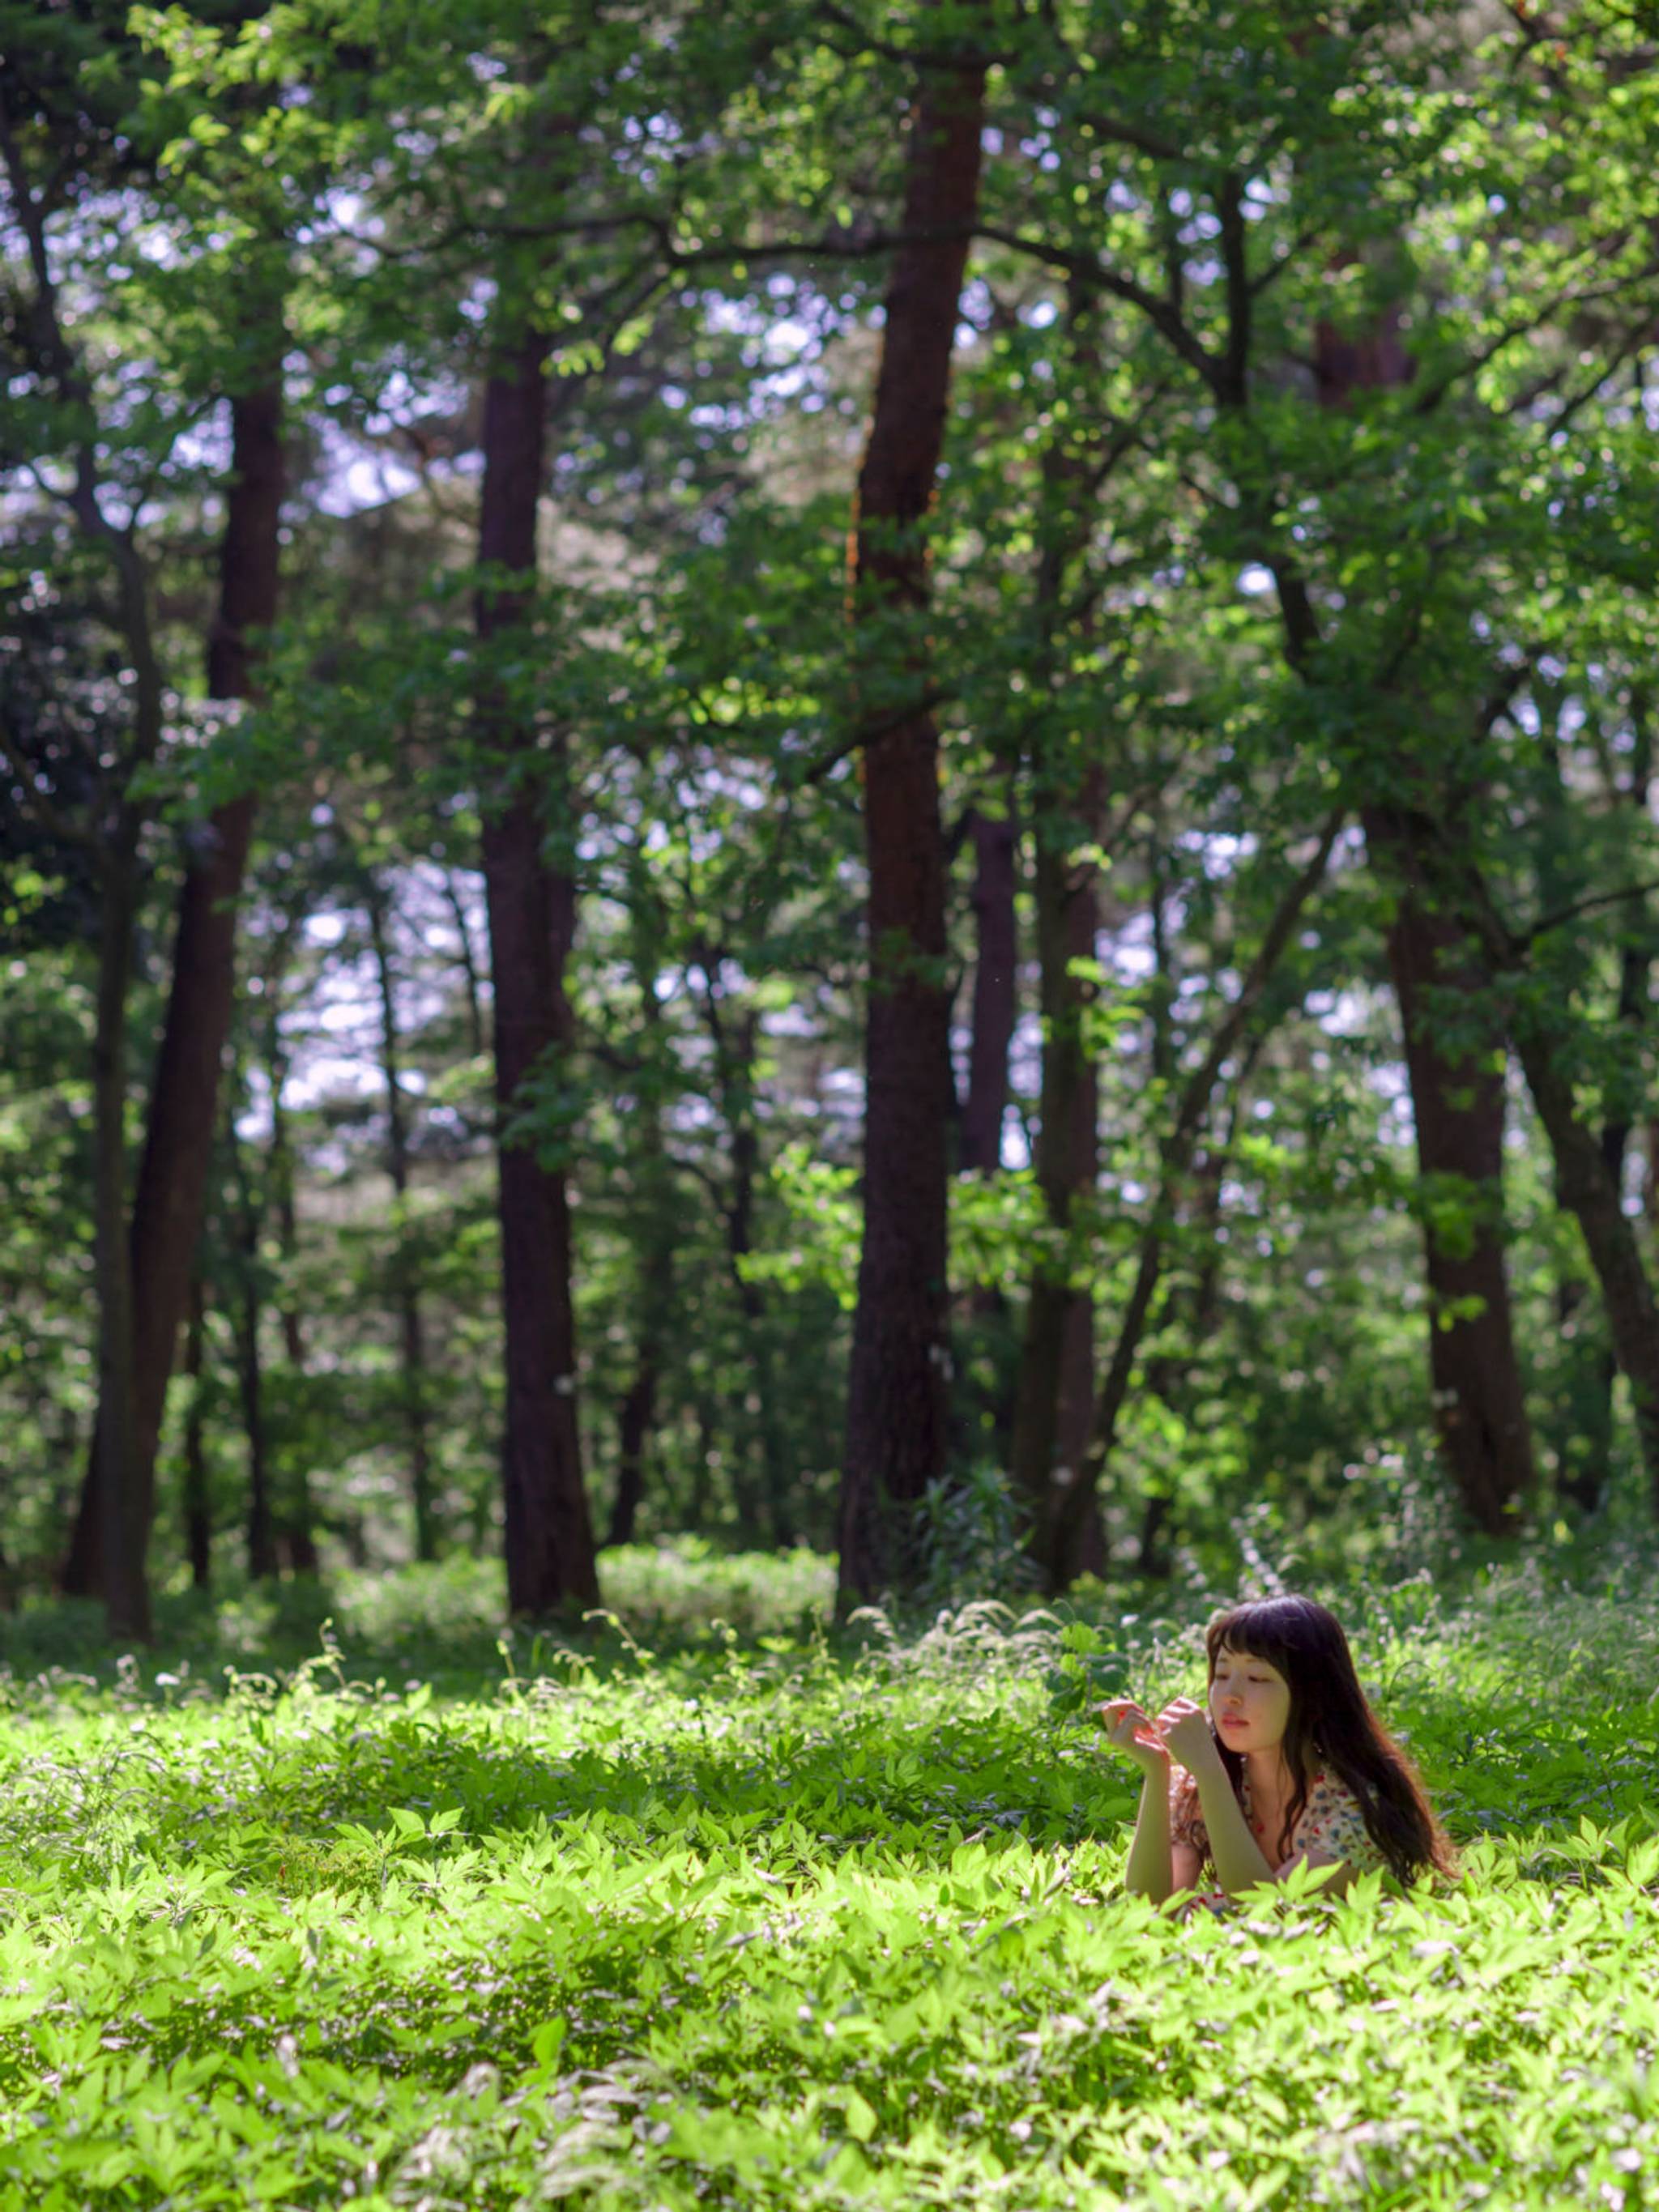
pixel 1331 1826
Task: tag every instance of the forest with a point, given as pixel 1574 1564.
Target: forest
pixel 828 879
pixel 874 777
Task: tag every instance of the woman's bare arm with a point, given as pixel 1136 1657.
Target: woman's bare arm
pixel 1149 1872
pixel 1240 1862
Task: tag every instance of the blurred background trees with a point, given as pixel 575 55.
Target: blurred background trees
pixel 840 774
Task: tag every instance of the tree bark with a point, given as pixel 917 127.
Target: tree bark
pixel 761 1402
pixel 295 1511
pixel 405 1261
pixel 474 1024
pixel 898 1384
pixel 1479 1406
pixel 184 1102
pixel 1053 1406
pixel 734 1041
pixel 1457 1107
pixel 996 853
pixel 198 1508
pixel 1584 1186
pixel 1540 1028
pixel 1593 1366
pixel 263 1564
pixel 119 1503
pixel 652 1225
pixel 532 910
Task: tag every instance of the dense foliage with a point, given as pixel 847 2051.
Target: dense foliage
pixel 664 1913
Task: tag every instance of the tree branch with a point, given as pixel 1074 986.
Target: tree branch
pixel 1565 914
pixel 1235 372
pixel 1179 1145
pixel 1090 271
pixel 1428 400
pixel 45 812
pixel 918 57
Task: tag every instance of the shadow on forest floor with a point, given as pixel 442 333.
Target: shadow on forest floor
pixel 445 1624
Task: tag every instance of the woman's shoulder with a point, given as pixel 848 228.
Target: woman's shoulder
pixel 1333 1821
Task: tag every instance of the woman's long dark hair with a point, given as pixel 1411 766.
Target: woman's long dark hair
pixel 1331 1727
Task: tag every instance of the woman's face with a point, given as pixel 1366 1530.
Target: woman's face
pixel 1249 1702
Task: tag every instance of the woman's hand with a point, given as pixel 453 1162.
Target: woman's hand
pixel 1128 1730
pixel 1184 1726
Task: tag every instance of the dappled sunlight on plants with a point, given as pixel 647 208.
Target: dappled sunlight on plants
pixel 824 1917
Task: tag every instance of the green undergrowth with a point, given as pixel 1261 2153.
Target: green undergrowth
pixel 774 1917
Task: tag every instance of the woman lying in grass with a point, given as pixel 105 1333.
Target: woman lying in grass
pixel 1290 1766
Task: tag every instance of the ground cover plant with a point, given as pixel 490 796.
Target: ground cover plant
pixel 781 1917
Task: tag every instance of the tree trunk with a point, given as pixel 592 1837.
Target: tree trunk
pixel 532 910
pixel 734 1047
pixel 635 1423
pixel 898 1384
pixel 653 1227
pixel 761 1402
pixel 405 1261
pixel 1055 1404
pixel 263 1564
pixel 1583 1475
pixel 184 1102
pixel 1586 1188
pixel 1194 1314
pixel 996 854
pixel 119 1503
pixel 475 1024
pixel 986 1375
pixel 1480 1407
pixel 198 1508
pixel 1457 1105
pixel 296 1514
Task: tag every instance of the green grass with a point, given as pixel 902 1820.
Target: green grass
pixel 707 1907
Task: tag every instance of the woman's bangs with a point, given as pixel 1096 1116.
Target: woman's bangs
pixel 1241 1637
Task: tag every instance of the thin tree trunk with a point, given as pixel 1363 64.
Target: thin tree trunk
pixel 1457 1106
pixel 296 1513
pixel 198 1507
pixel 1194 1314
pixel 1541 1031
pixel 898 1384
pixel 1054 1405
pixel 263 1564
pixel 405 1262
pixel 988 1379
pixel 119 1503
pixel 635 1423
pixel 532 909
pixel 1586 1188
pixel 654 1232
pixel 761 1402
pixel 734 1077
pixel 1583 1476
pixel 184 1102
pixel 703 1454
pixel 996 853
pixel 1195 1103
pixel 474 1024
